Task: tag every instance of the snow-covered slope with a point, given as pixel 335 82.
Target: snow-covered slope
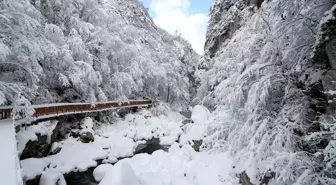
pixel 88 51
pixel 263 85
pixel 180 166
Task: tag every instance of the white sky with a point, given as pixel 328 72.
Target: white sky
pixel 173 15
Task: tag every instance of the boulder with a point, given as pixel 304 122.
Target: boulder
pixel 122 174
pixel 52 178
pixel 200 114
pixel 37 149
pixel 86 137
pixel 55 151
pixel 197 145
pixel 100 171
pixel 62 129
pixel 244 179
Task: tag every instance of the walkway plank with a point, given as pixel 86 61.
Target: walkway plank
pixel 60 109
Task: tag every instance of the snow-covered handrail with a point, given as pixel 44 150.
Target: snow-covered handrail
pixel 59 109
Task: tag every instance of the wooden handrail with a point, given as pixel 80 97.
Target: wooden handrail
pixel 59 109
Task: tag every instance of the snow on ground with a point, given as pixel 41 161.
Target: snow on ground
pixel 111 141
pixel 179 166
pixel 9 168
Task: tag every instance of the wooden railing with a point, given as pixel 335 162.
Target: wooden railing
pixel 59 109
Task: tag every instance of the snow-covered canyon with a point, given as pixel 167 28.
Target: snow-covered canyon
pixel 261 98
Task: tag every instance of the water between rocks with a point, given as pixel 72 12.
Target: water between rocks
pixel 86 178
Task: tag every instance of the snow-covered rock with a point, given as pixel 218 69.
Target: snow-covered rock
pixel 86 137
pixel 120 174
pixel 200 114
pixel 111 141
pixel 87 124
pixel 100 171
pixel 179 166
pixel 36 140
pixel 52 178
pixel 30 133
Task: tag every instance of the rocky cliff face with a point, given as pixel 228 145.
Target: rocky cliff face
pixel 88 51
pixel 268 75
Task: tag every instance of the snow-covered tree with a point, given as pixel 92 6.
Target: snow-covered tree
pixel 256 76
pixel 22 110
pixel 92 50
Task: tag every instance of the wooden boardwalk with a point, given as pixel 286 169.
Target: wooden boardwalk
pixel 60 109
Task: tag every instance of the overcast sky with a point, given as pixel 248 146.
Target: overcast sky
pixel 188 17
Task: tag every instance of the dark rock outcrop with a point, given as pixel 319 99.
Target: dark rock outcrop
pixel 197 145
pixel 86 137
pixel 226 17
pixel 38 148
pixel 244 179
pixel 216 36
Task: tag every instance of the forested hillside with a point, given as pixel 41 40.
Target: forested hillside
pixel 89 51
pixel 268 76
